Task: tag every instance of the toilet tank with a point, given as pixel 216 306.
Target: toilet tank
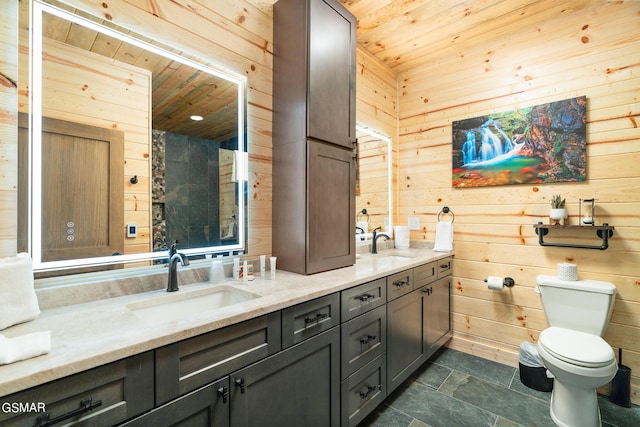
pixel 581 305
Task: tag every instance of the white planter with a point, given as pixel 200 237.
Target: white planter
pixel 558 214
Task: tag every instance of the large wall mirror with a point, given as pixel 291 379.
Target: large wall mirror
pixel 125 146
pixel 373 182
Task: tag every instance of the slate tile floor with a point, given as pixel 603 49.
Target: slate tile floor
pixel 455 389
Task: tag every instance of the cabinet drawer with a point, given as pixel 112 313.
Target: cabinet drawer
pixel 424 274
pixel 399 284
pixel 444 267
pixel 363 339
pixel 123 389
pixel 187 365
pixel 363 391
pixel 362 298
pixel 305 320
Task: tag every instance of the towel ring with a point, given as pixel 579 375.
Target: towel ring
pixel 446 210
pixel 362 212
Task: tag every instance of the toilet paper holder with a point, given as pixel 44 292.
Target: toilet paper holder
pixel 507 281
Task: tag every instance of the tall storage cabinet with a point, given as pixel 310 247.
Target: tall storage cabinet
pixel 313 135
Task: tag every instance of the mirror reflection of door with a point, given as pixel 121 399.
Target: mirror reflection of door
pixel 82 202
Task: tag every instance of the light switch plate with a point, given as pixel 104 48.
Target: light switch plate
pixel 132 230
pixel 414 223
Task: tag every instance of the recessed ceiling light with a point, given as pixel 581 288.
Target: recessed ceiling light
pixel 196 118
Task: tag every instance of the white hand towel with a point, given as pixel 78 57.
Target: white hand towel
pixel 18 301
pixel 444 237
pixel 24 346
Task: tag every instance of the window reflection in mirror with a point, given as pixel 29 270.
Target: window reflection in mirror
pixel 373 181
pixel 120 166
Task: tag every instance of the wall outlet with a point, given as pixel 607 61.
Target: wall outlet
pixel 414 223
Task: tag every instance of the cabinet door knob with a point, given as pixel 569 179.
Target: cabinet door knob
pixel 240 383
pixel 224 392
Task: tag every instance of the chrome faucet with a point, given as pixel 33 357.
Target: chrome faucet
pixel 376 235
pixel 174 257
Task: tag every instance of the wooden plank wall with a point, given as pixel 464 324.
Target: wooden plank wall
pixel 594 51
pixel 71 74
pixel 8 127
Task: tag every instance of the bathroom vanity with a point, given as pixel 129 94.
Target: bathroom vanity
pixel 314 350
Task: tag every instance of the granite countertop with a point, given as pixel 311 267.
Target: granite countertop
pixel 90 334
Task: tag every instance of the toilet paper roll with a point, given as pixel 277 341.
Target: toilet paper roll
pixel 567 271
pixel 495 283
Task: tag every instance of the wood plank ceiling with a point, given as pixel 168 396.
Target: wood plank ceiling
pixel 406 34
pixel 178 90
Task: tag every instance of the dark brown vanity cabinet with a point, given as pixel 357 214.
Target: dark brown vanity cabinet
pixel 418 319
pixel 313 135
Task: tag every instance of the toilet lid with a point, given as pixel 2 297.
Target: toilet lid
pixel 577 348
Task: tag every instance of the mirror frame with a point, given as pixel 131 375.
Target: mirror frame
pixel 374 133
pixel 34 197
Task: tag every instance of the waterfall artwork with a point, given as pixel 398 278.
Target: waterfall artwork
pixel 538 144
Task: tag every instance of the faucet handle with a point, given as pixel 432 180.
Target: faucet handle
pixel 173 249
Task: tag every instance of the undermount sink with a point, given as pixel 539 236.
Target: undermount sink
pixel 182 304
pixel 404 253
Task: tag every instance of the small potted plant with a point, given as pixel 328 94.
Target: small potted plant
pixel 558 212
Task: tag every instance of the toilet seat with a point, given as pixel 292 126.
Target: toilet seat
pixel 575 347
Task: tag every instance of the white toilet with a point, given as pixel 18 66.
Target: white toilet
pixel 572 349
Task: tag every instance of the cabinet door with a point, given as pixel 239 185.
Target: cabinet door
pixel 297 387
pixel 404 338
pixel 332 65
pixel 330 207
pixel 437 314
pixel 205 407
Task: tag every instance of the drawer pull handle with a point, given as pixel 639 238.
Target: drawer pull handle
pixel 224 392
pixel 428 290
pixel 365 392
pixel 365 297
pixel 366 340
pixel 401 283
pixel 86 405
pixel 240 383
pixel 316 319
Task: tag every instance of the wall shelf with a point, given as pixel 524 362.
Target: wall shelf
pixel 604 231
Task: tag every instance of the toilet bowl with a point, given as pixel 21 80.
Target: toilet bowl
pixel 572 350
pixel 580 363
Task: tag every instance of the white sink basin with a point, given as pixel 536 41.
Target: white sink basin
pixel 182 304
pixel 404 253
